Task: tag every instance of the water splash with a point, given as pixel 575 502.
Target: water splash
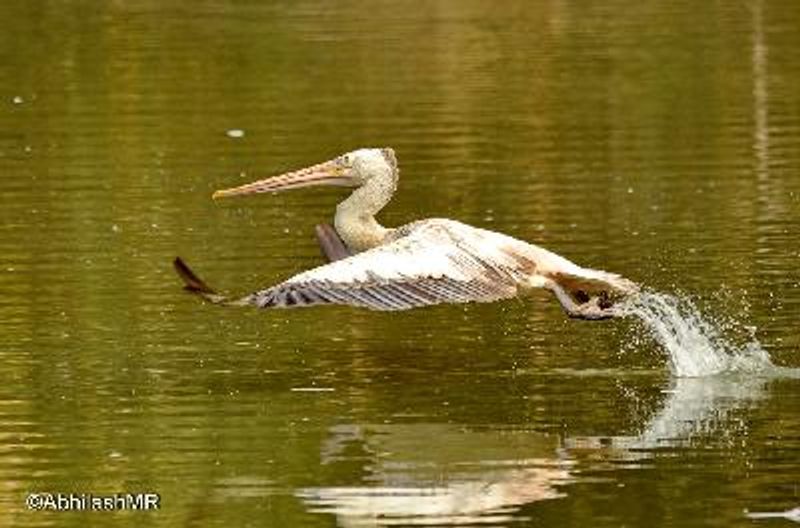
pixel 694 344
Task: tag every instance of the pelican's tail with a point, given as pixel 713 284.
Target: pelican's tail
pixel 196 285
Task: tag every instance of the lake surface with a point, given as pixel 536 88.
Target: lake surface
pixel 659 140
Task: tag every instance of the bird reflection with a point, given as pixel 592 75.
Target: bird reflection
pixel 424 474
pixel 694 407
pixel 460 476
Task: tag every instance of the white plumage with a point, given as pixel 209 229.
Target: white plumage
pixel 419 264
pixel 431 262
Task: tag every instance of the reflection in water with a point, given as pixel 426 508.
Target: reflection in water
pixel 790 515
pixel 760 93
pixel 694 407
pixel 437 474
pixel 465 502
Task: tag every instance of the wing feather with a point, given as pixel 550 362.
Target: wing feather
pixel 427 263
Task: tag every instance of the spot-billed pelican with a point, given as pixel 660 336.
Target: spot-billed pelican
pixel 418 264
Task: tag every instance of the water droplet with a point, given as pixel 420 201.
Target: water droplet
pixel 694 344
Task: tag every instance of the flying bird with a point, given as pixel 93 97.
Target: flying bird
pixel 422 263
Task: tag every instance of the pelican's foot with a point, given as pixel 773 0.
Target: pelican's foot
pixel 581 296
pixel 578 304
pixel 604 301
pixel 596 308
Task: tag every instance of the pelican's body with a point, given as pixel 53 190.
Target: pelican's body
pixel 419 264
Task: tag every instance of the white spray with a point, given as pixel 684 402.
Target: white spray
pixel 694 345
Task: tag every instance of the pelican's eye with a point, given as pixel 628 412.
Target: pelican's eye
pixel 342 163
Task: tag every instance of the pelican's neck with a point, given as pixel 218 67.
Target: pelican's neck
pixel 355 217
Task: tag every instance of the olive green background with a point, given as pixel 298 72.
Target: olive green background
pixel 660 140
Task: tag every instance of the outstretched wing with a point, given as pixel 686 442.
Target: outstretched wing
pixel 574 278
pixel 426 263
pixel 429 262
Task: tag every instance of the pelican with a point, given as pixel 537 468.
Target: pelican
pixel 422 263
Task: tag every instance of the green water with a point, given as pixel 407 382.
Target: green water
pixel 660 140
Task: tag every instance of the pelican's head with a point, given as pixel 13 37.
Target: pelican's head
pixel 353 169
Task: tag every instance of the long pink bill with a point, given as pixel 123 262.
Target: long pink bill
pixel 328 173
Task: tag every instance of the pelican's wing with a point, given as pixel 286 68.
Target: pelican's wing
pixel 429 262
pixel 573 277
pixel 593 281
pixel 330 243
